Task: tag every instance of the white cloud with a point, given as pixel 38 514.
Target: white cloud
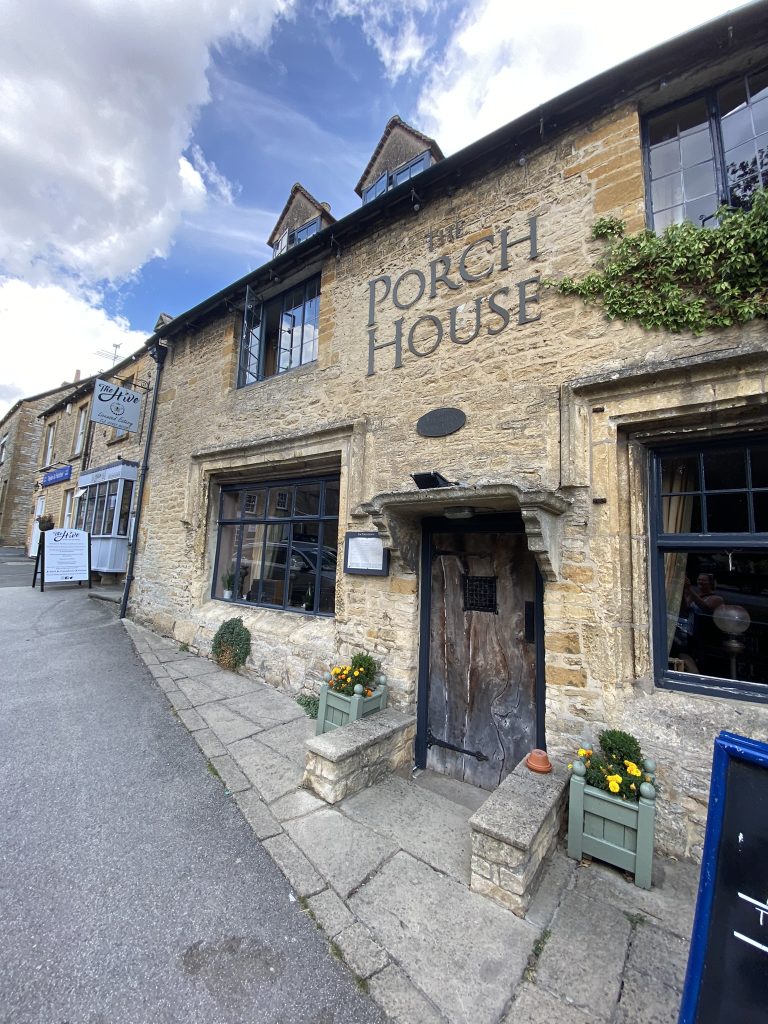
pixel 99 101
pixel 506 57
pixel 48 334
pixel 392 29
pixel 212 177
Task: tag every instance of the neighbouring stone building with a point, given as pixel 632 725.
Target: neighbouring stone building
pixel 87 472
pixel 394 436
pixel 21 434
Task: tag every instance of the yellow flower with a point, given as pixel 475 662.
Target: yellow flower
pixel 614 782
pixel 581 752
pixel 357 672
pixel 570 767
pixel 632 769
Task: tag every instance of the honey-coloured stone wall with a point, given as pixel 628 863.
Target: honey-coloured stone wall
pixel 449 306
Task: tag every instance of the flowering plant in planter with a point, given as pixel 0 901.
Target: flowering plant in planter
pixel 619 767
pixel 362 669
pixel 612 805
pixel 351 692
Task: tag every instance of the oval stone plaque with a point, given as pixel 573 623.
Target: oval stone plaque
pixel 441 422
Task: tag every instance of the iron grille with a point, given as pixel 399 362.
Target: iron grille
pixel 480 594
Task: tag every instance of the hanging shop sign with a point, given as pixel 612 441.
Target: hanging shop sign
pixel 115 406
pixel 728 960
pixel 57 476
pixel 63 556
pixel 365 554
pixel 486 315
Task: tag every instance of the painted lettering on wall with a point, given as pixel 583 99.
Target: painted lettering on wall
pixel 479 259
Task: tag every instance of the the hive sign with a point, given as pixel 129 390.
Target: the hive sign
pixel 115 406
pixel 481 257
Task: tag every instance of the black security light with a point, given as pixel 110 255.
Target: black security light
pixel 416 200
pixel 424 481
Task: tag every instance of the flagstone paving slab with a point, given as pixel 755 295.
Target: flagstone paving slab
pixel 227 724
pixel 294 865
pixel 330 912
pixel 270 774
pixel 669 902
pixel 463 951
pixel 442 838
pixel 266 708
pixel 209 743
pixel 359 950
pixel 296 805
pixel 230 774
pixel 290 739
pixel 556 878
pixel 197 692
pixel 192 720
pixel 401 1001
pixel 257 814
pixel 344 852
pixel 583 960
pixel 648 1000
pixel 533 1005
pixel 179 700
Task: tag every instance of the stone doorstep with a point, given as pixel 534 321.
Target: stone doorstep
pixel 513 832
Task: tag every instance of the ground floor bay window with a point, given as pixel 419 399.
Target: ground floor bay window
pixel 709 520
pixel 277 544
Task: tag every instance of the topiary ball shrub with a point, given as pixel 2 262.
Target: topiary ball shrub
pixel 231 644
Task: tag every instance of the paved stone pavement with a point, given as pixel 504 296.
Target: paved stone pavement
pixel 131 889
pixel 386 875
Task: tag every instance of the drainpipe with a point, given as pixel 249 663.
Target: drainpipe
pixel 158 353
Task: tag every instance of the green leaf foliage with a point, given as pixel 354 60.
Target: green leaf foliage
pixel 687 278
pixel 231 644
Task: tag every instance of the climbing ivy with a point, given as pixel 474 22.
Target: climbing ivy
pixel 686 278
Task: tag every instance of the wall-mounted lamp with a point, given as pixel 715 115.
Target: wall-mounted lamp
pixel 416 200
pixel 424 481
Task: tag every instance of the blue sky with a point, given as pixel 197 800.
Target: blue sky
pixel 148 146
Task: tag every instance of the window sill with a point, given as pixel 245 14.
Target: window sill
pixel 311 365
pixel 709 686
pixel 274 608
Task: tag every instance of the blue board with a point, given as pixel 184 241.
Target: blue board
pixel 727 976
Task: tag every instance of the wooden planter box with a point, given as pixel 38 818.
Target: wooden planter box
pixel 337 709
pixel 619 832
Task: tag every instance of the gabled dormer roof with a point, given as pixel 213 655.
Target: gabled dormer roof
pixel 301 207
pixel 399 143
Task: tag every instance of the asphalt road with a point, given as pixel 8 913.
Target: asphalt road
pixel 131 889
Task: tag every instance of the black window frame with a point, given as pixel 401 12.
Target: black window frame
pixel 253 343
pixel 661 543
pixel 326 522
pixel 295 236
pixel 387 180
pixel 714 120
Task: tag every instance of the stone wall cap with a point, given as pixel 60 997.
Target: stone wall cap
pixel 351 739
pixel 514 813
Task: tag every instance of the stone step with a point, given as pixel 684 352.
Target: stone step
pixel 429 826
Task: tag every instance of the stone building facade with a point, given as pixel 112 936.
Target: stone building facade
pixel 537 587
pixel 21 434
pixel 87 473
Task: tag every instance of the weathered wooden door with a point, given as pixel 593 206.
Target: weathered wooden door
pixel 481 694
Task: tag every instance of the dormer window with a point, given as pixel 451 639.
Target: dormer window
pixel 391 179
pixel 296 236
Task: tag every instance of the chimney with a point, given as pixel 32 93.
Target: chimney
pixel 77 377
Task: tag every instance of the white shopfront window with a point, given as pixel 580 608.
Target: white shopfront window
pixel 104 509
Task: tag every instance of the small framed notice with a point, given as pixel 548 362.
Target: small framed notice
pixel 365 555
